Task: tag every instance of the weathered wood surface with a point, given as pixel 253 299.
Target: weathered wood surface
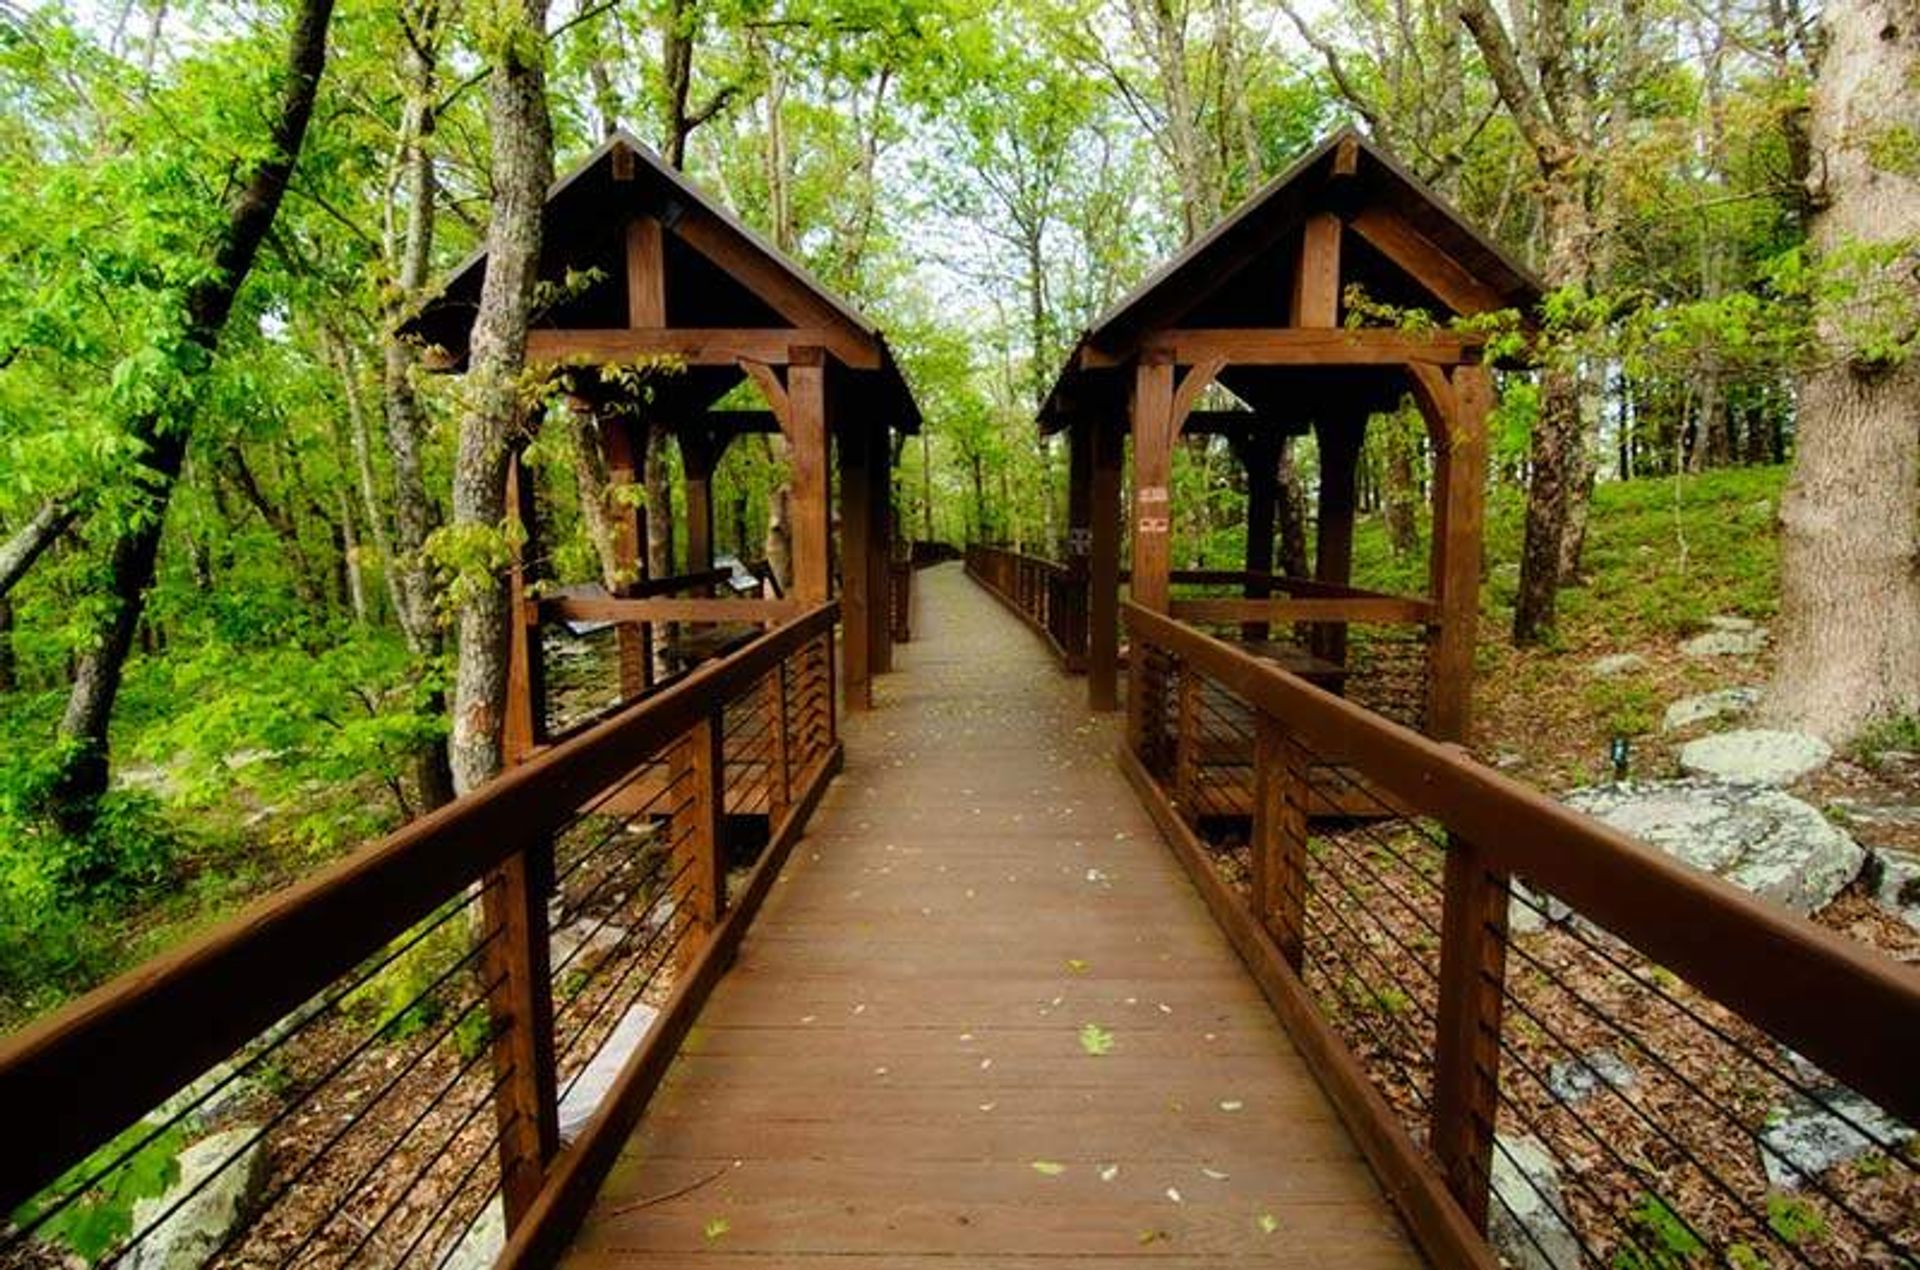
pixel 899 1040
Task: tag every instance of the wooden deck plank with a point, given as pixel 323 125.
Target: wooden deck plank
pixel 899 1040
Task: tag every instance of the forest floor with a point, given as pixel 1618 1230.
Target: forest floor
pixel 1663 557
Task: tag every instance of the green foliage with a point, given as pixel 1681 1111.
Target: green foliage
pixel 1898 734
pixel 92 1225
pixel 1663 1241
pixel 1795 1219
pixel 408 996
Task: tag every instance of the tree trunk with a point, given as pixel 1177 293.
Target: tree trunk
pixel 415 515
pixel 659 485
pixel 42 530
pixel 1850 518
pixel 1557 482
pixel 522 167
pixel 162 443
pixel 1291 511
pixel 9 679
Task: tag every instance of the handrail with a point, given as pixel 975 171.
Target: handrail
pixel 1803 983
pixel 76 1078
pixel 1046 595
pixel 1204 713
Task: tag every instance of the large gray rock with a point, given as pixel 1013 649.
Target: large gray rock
pixel 1529 912
pixel 1806 1138
pixel 1615 664
pixel 185 1240
pixel 1754 836
pixel 1527 1221
pixel 480 1246
pixel 1577 1079
pixel 1895 876
pixel 593 1084
pixel 1759 755
pixel 1727 637
pixel 1723 703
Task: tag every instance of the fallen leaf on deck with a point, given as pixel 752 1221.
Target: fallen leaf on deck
pixel 1049 1168
pixel 717 1226
pixel 1268 1223
pixel 1232 1104
pixel 1173 1193
pixel 1109 1172
pixel 1215 1174
pixel 1096 1040
pixel 1077 966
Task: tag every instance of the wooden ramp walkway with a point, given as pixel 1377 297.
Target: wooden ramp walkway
pixel 896 1071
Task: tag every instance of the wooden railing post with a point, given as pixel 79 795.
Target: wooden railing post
pixel 520 1006
pixel 1186 743
pixel 1280 793
pixel 1466 1069
pixel 779 765
pixel 699 831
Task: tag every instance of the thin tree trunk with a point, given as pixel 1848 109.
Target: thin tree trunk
pixel 1850 518
pixel 162 443
pixel 522 166
pixel 29 541
pixel 1291 512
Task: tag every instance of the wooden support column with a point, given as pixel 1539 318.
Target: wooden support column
pixel 806 395
pixel 525 724
pixel 1152 411
pixel 1466 1063
pixel 1457 417
pixel 513 908
pixel 699 832
pixel 1103 565
pixel 1259 451
pixel 1079 544
pixel 880 553
pixel 635 639
pixel 1279 838
pixel 698 456
pixel 520 1008
pixel 856 565
pixel 1333 545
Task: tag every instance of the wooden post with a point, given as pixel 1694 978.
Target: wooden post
pixel 856 565
pixel 879 552
pixel 1281 789
pixel 635 639
pixel 699 831
pixel 1103 567
pixel 1316 276
pixel 1458 425
pixel 1152 412
pixel 1333 538
pixel 807 454
pixel 779 766
pixel 1079 544
pixel 697 459
pixel 520 1007
pixel 525 724
pixel 1259 451
pixel 1187 743
pixel 1466 1065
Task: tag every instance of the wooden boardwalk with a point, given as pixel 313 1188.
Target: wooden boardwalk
pixel 896 1071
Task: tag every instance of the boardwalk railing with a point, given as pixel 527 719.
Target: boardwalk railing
pixel 1541 1031
pixel 1048 596
pixel 387 1049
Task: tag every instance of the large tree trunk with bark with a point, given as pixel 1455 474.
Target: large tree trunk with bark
pixel 410 249
pixel 162 443
pixel 494 407
pixel 1850 545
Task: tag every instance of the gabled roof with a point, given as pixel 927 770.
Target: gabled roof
pixel 1237 273
pixel 721 274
